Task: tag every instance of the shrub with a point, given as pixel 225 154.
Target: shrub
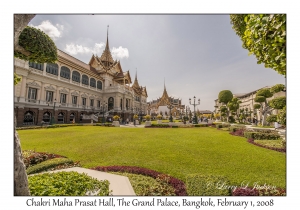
pixel 231 119
pixel 177 184
pixel 201 125
pixel 159 117
pixel 47 165
pixel 160 125
pixel 234 128
pixel 219 126
pixel 272 118
pixel 32 158
pixel 207 185
pixel 116 118
pixel 148 117
pixel 66 184
pixel 239 132
pixel 283 143
pixel 261 135
pixel 135 117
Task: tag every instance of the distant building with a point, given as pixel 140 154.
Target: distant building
pixel 160 106
pixel 247 102
pixel 75 89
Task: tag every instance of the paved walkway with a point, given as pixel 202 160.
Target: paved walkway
pixel 119 185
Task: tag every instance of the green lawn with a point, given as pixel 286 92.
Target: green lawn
pixel 177 152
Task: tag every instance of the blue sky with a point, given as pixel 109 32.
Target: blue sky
pixel 198 55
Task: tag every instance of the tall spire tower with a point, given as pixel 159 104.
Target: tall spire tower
pixel 106 56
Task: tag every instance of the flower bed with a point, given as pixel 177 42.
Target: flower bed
pixel 267 147
pixel 177 184
pixel 31 158
pixel 247 191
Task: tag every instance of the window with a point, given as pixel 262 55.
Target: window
pixel 85 80
pixel 28 118
pixel 52 68
pixel 46 117
pixel 38 66
pixel 32 93
pixel 93 82
pixel 72 116
pixel 74 99
pixel 83 101
pixel 121 104
pixel 65 72
pixel 61 118
pixel 110 103
pixel 99 85
pixel 63 98
pixel 76 76
pixel 49 96
pixel 92 102
pixel 98 103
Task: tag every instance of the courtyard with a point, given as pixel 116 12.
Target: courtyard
pixel 178 152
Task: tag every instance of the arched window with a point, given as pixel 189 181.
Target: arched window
pixel 72 117
pixel 99 85
pixel 85 80
pixel 110 103
pixel 65 72
pixel 46 117
pixel 52 68
pixel 28 118
pixel 75 76
pixel 61 118
pixel 92 82
pixel 38 66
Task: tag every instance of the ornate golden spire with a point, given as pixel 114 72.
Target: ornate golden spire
pixel 164 100
pixel 136 83
pixel 106 56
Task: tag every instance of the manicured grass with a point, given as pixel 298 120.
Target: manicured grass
pixel 177 152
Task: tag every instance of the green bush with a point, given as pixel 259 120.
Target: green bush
pixel 47 165
pixel 219 126
pixel 261 135
pixel 272 118
pixel 207 185
pixel 231 119
pixel 234 128
pixel 66 184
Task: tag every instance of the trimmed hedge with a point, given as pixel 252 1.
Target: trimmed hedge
pixel 31 158
pixel 48 126
pixel 261 135
pixel 47 165
pixel 67 184
pixel 207 185
pixel 177 184
pixel 250 140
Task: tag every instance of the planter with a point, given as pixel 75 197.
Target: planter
pixel 116 123
pixel 159 122
pixel 147 123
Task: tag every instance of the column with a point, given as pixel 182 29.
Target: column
pixel 44 70
pixel 23 89
pixel 57 95
pixel 39 92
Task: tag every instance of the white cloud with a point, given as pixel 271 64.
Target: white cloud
pixel 120 53
pixel 53 31
pixel 117 53
pixel 75 49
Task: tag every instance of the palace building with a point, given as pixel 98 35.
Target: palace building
pixel 164 104
pixel 69 89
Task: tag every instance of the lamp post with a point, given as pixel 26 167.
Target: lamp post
pixel 170 106
pixel 194 104
pixel 102 108
pixel 52 117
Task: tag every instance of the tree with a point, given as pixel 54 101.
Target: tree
pixel 266 107
pixel 224 97
pixel 234 105
pixel 28 50
pixel 263 35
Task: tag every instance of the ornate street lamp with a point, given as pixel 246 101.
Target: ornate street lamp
pixel 52 117
pixel 194 104
pixel 102 108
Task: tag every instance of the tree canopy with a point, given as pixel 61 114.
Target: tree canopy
pixel 264 35
pixel 40 46
pixel 225 96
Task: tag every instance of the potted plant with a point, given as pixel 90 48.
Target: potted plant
pixel 136 117
pixel 159 117
pixel 148 122
pixel 116 121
